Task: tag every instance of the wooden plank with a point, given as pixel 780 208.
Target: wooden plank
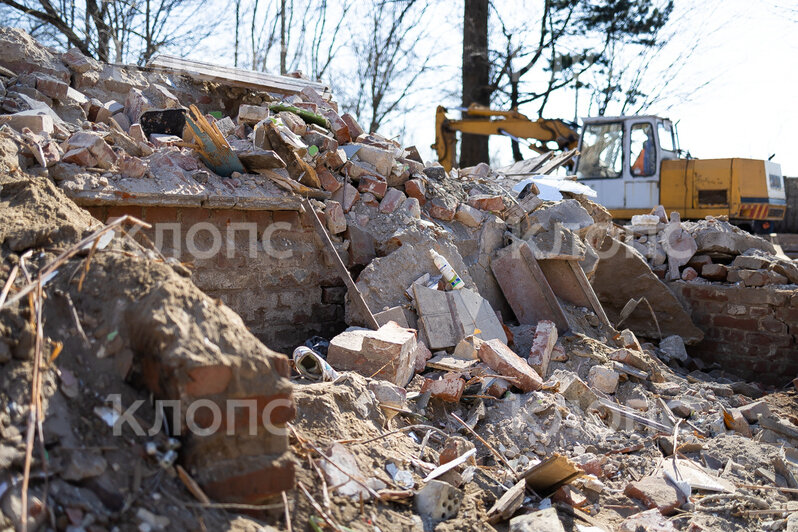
pixel 357 297
pixel 549 475
pixel 235 77
pixel 587 288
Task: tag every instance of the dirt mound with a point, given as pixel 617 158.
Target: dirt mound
pixel 136 314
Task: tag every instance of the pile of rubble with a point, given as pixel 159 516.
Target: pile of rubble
pixel 710 249
pixel 484 378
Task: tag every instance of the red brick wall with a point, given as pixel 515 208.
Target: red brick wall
pixel 282 299
pixel 752 332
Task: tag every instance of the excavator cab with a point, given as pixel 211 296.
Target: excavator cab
pixel 620 157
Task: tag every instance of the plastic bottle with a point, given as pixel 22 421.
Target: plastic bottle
pixel 449 275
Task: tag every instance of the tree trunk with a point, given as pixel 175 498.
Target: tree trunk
pixel 476 76
pixel 514 96
pixel 283 44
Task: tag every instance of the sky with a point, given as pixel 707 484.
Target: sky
pixel 748 52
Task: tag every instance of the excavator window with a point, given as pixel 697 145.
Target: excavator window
pixel 665 133
pixel 601 151
pixel 643 149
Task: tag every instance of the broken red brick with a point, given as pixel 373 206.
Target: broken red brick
pixel 354 128
pixel 346 196
pixel 387 353
pixel 422 355
pixel 336 220
pixel 415 188
pixel 448 388
pixel 487 202
pixel 338 126
pixel 328 181
pixel 393 198
pixel 441 209
pixel 504 362
pixel 376 185
pixel 688 274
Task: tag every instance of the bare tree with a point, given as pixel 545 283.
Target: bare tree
pixel 390 62
pixel 476 75
pixel 282 34
pixel 114 30
pixel 637 77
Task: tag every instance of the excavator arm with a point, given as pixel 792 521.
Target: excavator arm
pixel 479 120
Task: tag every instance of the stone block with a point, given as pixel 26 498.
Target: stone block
pixel 33 120
pixel 603 379
pixel 369 199
pixel 388 352
pixel 506 363
pixel 575 390
pixel 688 274
pixel 130 166
pixel 392 200
pixel 78 62
pixel 252 114
pixel 422 355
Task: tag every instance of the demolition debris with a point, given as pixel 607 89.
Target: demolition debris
pixel 464 356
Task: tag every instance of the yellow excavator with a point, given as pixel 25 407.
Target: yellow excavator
pixel 634 164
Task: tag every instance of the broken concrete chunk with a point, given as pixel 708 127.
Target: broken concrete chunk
pixel 603 379
pixel 650 521
pixel 486 202
pixel 468 348
pixel 442 207
pixel 673 346
pixel 447 317
pixel 752 411
pixel 540 521
pixel 717 236
pixel 506 363
pixel 34 120
pixel 656 493
pixel 734 420
pixel 252 114
pixel 569 213
pixel 469 215
pixel 387 353
pixel 622 275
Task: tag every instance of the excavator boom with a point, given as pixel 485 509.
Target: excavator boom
pixel 479 120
